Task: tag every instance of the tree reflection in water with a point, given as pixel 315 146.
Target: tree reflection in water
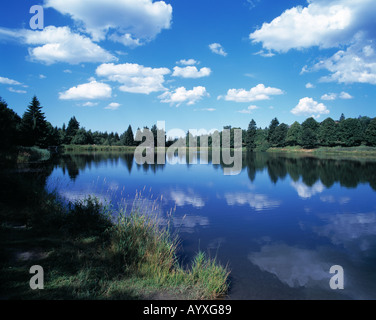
pixel 348 173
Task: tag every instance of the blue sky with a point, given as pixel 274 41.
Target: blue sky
pixel 191 63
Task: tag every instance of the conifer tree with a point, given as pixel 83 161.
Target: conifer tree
pixel 251 135
pixel 34 125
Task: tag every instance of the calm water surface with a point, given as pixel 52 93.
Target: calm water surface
pixel 280 224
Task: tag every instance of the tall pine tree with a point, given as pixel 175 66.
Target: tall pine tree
pixel 128 137
pixel 251 135
pixel 34 125
pixel 71 131
pixel 273 125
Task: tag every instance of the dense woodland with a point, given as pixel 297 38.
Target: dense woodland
pixel 33 129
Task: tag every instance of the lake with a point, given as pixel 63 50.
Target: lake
pixel 280 224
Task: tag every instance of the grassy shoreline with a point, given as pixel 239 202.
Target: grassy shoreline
pixel 361 151
pixel 86 254
pixel 320 150
pixel 98 148
pixel 89 250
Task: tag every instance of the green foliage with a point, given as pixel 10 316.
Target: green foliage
pixel 273 125
pixel 251 133
pixel 10 124
pixel 87 217
pixel 137 239
pixel 34 129
pixel 32 154
pixel 127 139
pixel 82 137
pixel 328 134
pixel 350 132
pixel 279 136
pixel 70 132
pixel 34 125
pixel 210 276
pixel 261 141
pixel 371 133
pixel 309 137
pixel 293 135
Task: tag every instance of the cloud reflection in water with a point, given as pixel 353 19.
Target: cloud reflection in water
pixel 258 202
pixel 293 266
pixel 307 192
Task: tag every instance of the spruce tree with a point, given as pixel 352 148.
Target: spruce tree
pixel 273 125
pixel 72 129
pixel 128 139
pixel 34 125
pixel 279 135
pixel 251 135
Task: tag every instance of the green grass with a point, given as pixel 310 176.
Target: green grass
pixel 102 148
pixel 88 254
pixel 347 151
pixel 97 148
pixel 24 155
pixel 361 150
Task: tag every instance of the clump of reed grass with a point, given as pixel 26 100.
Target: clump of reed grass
pixel 87 217
pixel 96 252
pixel 210 278
pixel 142 243
pixel 32 154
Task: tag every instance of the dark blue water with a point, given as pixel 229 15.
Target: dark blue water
pixel 279 225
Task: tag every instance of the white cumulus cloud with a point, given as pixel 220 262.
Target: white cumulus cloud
pixel 87 91
pixel 329 96
pixel 217 49
pixel 345 96
pixel 191 72
pixel 356 64
pixel 309 107
pixel 134 78
pixel 260 92
pixel 333 96
pixel 16 90
pixel 344 24
pixel 189 62
pixel 89 104
pixel 249 109
pixel 182 95
pixel 129 20
pixel 325 24
pixel 4 80
pixel 59 44
pixel 113 106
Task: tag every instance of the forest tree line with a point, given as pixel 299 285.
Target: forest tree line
pixel 32 129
